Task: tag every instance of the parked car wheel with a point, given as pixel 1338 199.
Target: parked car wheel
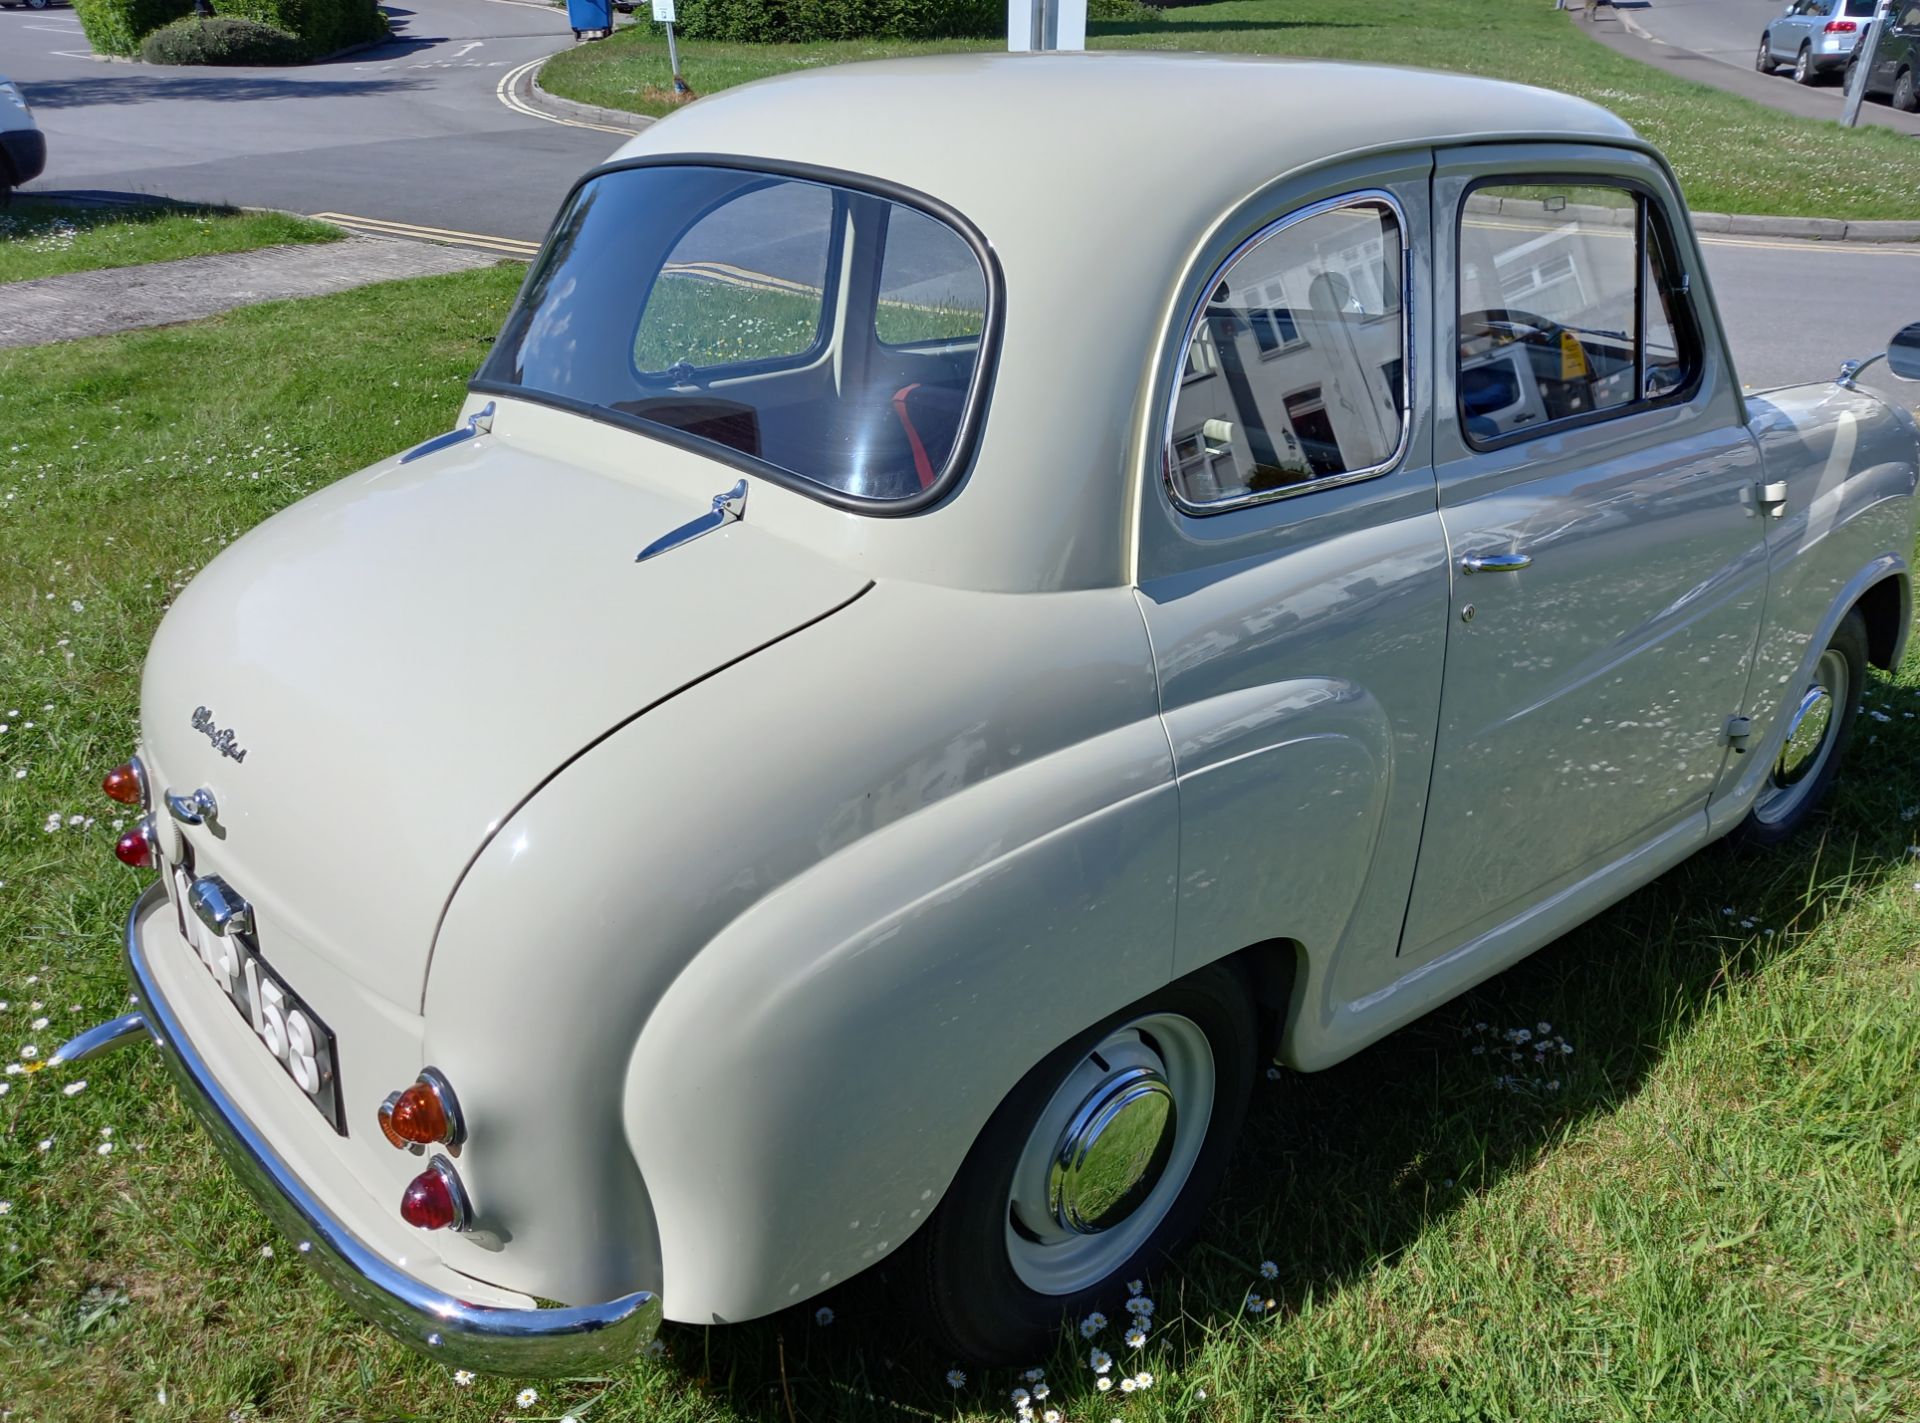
pixel 1905 98
pixel 1763 61
pixel 1821 723
pixel 1803 66
pixel 1098 1163
pixel 38 4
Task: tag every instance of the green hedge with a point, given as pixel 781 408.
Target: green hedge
pixel 319 26
pixel 118 26
pixel 802 21
pixel 219 39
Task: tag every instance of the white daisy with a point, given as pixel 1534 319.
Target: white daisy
pixel 74 1089
pixel 1135 1287
pixel 1100 1361
pixel 1269 1270
pixel 1144 1379
pixel 1021 1398
pixel 1034 1375
pixel 105 1148
pixel 461 1377
pixel 1128 1385
pixel 1052 1415
pixel 28 1052
pixel 1103 1383
pixel 39 1025
pixel 956 1378
pixel 6 1207
pixel 1136 1337
pixel 526 1398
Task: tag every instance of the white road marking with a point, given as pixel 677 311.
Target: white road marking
pixel 469 48
pixel 520 106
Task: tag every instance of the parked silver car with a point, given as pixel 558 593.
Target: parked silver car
pixel 23 148
pixel 1816 37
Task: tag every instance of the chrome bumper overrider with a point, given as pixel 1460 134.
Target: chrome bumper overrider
pixel 509 1341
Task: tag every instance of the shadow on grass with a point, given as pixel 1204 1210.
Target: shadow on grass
pixel 1111 29
pixel 1343 1169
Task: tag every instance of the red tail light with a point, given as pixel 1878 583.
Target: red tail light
pixel 425 1114
pixel 434 1199
pixel 125 783
pixel 1841 27
pixel 136 846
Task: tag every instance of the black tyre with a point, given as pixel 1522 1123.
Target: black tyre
pixel 1905 98
pixel 1803 66
pixel 1763 61
pixel 1097 1164
pixel 1820 723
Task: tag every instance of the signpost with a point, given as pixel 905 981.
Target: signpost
pixel 1862 66
pixel 1046 24
pixel 663 15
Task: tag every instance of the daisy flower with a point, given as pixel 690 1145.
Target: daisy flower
pixel 1100 1361
pixel 1052 1415
pixel 1092 1324
pixel 1136 1337
pixel 1021 1398
pixel 1143 1379
pixel 526 1398
pixel 1128 1385
pixel 1103 1383
pixel 74 1089
pixel 6 1207
pixel 823 1316
pixel 956 1378
pixel 463 1378
pixel 1135 1287
pixel 1034 1375
pixel 1269 1270
pixel 1040 1392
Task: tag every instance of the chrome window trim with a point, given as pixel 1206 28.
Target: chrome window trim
pixel 1363 197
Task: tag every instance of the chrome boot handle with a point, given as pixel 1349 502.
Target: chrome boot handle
pixel 1495 563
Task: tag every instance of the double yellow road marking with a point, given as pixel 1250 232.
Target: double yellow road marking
pixel 384 227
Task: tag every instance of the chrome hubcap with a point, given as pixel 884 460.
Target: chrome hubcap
pixel 1108 1155
pixel 1811 727
pixel 1113 1152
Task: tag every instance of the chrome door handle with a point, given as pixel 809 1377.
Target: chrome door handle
pixel 1495 563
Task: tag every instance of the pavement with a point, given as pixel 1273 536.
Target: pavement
pixel 125 298
pixel 1713 42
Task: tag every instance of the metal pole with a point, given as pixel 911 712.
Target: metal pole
pixel 1863 66
pixel 673 58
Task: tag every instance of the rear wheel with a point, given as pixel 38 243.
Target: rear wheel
pixel 1097 1164
pixel 1803 66
pixel 1819 723
pixel 1905 98
pixel 1763 61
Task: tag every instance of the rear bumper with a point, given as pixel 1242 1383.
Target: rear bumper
pixel 26 153
pixel 451 1330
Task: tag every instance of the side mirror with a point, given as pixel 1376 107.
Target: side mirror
pixel 1903 352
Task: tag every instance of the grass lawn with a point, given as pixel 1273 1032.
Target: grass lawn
pixel 1732 155
pixel 1706 1210
pixel 43 238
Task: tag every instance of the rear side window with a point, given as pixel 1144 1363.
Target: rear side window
pixel 814 331
pixel 1570 308
pixel 1294 371
pixel 1862 9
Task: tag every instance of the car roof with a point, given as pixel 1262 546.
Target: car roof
pixel 1009 138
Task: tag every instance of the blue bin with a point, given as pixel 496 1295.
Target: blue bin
pixel 590 17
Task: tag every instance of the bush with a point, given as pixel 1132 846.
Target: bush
pixel 319 26
pixel 1137 12
pixel 221 39
pixel 801 21
pixel 118 26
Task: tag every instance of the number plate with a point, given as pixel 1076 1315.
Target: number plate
pixel 290 1030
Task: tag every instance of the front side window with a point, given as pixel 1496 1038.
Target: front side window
pixel 1569 307
pixel 1292 374
pixel 817 332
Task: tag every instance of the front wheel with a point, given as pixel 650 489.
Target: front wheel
pixel 1819 724
pixel 1100 1161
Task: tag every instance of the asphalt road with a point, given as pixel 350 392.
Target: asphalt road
pixel 415 132
pixel 412 131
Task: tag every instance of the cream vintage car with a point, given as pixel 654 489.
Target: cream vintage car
pixel 931 656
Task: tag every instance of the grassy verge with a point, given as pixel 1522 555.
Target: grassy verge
pixel 43 238
pixel 1732 155
pixel 1706 1210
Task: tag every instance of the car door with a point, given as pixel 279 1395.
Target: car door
pixel 1291 566
pixel 1901 45
pixel 1608 566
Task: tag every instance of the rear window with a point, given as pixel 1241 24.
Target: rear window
pixel 1862 9
pixel 821 333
